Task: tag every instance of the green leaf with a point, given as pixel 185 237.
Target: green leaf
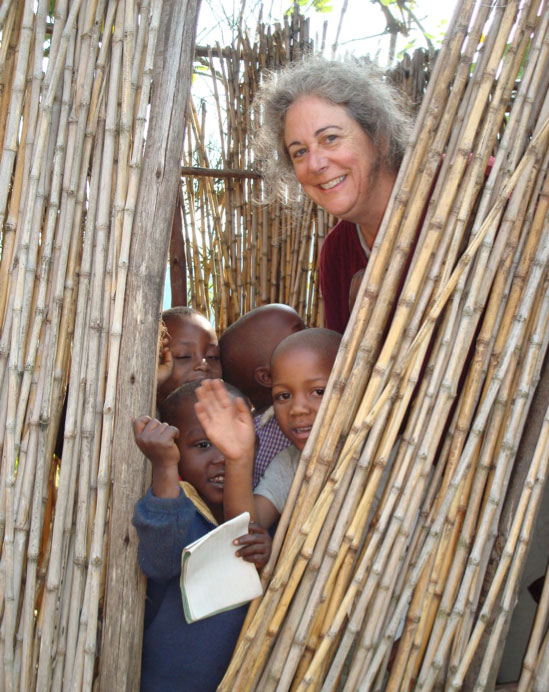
pixel 406 48
pixel 320 6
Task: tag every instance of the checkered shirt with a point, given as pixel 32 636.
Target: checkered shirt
pixel 271 440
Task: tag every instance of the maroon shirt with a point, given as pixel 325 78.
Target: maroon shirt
pixel 341 256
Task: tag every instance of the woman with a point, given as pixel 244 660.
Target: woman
pixel 341 130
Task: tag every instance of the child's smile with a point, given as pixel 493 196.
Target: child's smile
pixel 302 432
pixel 218 480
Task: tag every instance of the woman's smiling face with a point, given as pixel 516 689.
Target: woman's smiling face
pixel 334 160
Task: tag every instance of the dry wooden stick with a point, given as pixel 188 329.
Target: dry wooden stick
pixel 516 328
pixel 522 523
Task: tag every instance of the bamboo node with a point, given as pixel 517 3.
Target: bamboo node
pixel 323 461
pixel 306 554
pixel 338 385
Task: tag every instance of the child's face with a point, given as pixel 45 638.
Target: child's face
pixel 201 464
pixel 195 353
pixel 299 379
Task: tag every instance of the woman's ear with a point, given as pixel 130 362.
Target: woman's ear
pixel 263 376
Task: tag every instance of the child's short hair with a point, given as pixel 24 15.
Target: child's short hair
pixel 325 341
pixel 180 311
pixel 169 408
pixel 246 347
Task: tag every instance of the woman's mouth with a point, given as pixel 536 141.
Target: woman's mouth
pixel 332 183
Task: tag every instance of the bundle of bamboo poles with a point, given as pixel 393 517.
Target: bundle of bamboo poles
pixel 388 569
pixel 74 106
pixel 72 129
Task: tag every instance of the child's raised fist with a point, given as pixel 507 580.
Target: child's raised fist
pixel 157 441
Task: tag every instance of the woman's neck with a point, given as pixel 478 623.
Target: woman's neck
pixel 380 194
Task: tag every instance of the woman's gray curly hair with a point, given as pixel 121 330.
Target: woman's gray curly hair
pixel 359 86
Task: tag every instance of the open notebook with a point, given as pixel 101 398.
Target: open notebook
pixel 213 579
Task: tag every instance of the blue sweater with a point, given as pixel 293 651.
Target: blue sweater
pixel 177 656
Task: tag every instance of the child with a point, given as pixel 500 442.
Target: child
pixel 189 350
pixel 177 655
pixel 246 349
pixel 300 368
pixel 247 345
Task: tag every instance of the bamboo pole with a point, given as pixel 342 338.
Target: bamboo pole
pixel 178 32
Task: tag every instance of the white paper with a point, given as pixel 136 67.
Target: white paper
pixel 213 578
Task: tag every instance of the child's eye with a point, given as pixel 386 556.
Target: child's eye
pixel 319 391
pixel 281 396
pixel 203 444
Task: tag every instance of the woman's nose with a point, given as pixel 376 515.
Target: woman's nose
pixel 317 160
pixel 202 364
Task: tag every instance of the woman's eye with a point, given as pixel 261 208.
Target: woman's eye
pixel 181 357
pixel 298 153
pixel 214 356
pixel 330 138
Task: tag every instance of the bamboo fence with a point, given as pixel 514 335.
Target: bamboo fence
pixel 75 84
pixel 388 538
pixel 388 569
pixel 75 116
pixel 239 254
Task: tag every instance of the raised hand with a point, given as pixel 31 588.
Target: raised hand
pixel 226 420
